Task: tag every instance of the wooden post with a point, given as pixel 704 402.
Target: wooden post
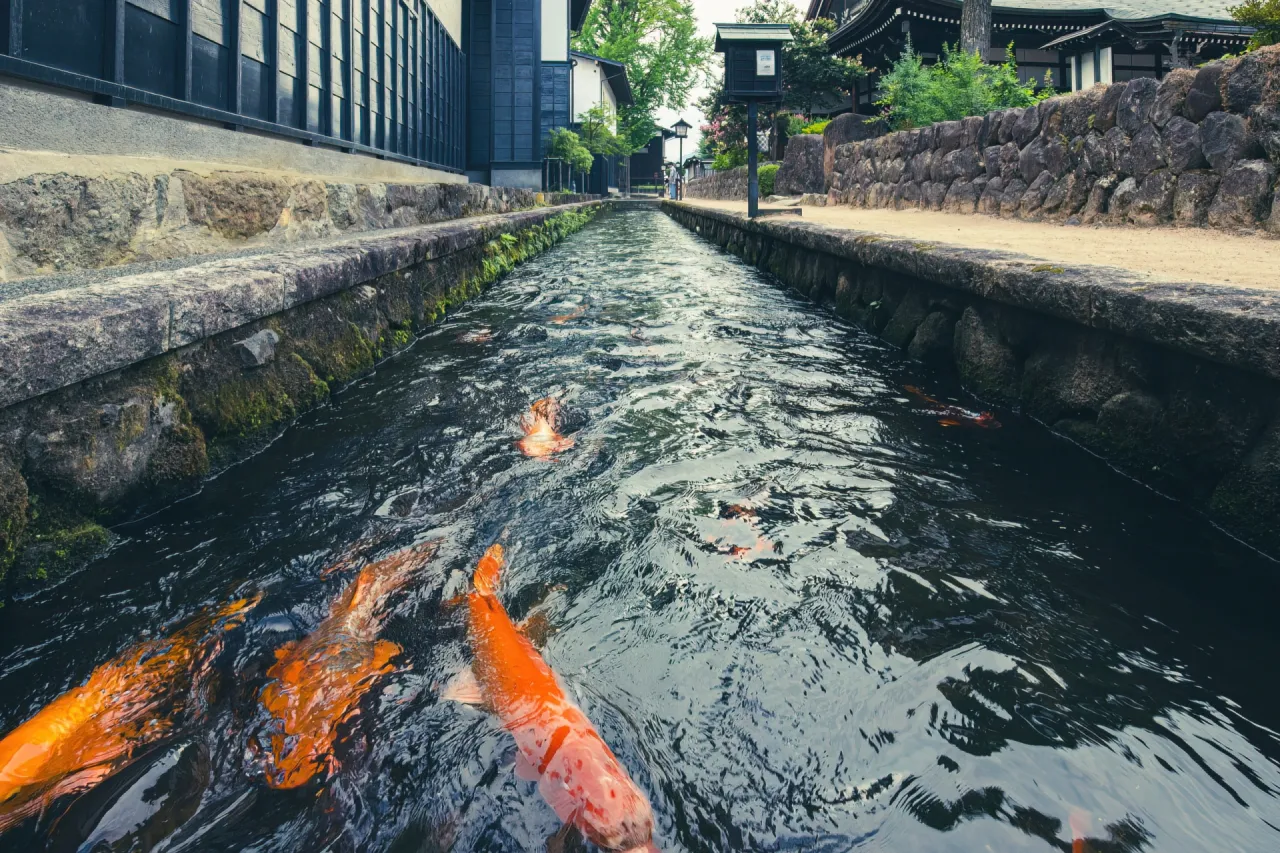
pixel 273 63
pixel 975 27
pixel 753 178
pixel 349 78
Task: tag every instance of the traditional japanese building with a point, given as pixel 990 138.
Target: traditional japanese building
pixel 461 86
pixel 1075 42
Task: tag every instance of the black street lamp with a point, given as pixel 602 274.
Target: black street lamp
pixel 753 75
pixel 681 130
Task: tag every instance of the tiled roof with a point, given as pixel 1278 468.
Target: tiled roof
pixel 1128 10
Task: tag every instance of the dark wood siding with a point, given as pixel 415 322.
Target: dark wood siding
pixel 382 74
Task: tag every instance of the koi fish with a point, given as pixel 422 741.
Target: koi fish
pixel 954 415
pixel 1079 821
pixel 763 545
pixel 476 336
pixel 317 682
pixel 572 315
pixel 539 425
pixel 92 731
pixel 556 745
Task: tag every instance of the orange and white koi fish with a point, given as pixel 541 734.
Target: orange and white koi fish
pixel 763 546
pixel 539 425
pixel 954 415
pixel 556 745
pixel 97 729
pixel 316 683
pixel 572 315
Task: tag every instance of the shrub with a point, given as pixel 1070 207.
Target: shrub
pixel 566 145
pixel 958 85
pixel 1262 15
pixel 816 126
pixel 766 174
pixel 730 158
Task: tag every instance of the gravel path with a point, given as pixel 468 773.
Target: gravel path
pixel 1158 254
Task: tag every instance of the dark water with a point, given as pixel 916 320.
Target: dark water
pixel 960 637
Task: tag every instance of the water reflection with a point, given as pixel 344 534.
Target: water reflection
pixel 937 639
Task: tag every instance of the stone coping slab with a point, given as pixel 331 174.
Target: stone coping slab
pixel 1236 326
pixel 49 340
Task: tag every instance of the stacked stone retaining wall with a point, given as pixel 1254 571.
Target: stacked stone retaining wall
pixel 1176 384
pixel 1199 148
pixel 728 184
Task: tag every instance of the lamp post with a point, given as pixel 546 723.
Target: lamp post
pixel 681 129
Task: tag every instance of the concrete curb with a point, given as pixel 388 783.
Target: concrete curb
pixel 1235 326
pixel 52 340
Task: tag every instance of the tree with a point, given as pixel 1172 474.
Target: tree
pixel 566 145
pixel 1262 15
pixel 975 27
pixel 595 129
pixel 960 84
pixel 665 57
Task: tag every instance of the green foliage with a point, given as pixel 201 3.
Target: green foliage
pixel 1262 15
pixel 730 158
pixel 658 41
pixel 816 126
pixel 766 175
pixel 566 145
pixel 595 128
pixel 960 84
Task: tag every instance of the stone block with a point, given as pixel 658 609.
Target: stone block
pixel 1247 81
pixel 1011 201
pixel 1033 198
pixel 1080 111
pixel 1098 203
pixel 1027 127
pixel 1226 139
pixel 1118 206
pixel 992 194
pixel 1146 153
pixel 1108 106
pixel 1008 120
pixel 1182 142
pixel 962 197
pixel 1135 105
pixel 1205 95
pixel 934 338
pixel 1243 195
pixel 257 349
pixel 844 129
pixel 950 136
pixel 1152 204
pixel 1031 160
pixel 802 168
pixel 1264 123
pixel 1195 193
pixel 986 363
pixel 1171 98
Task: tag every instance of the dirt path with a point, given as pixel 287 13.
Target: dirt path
pixel 1158 254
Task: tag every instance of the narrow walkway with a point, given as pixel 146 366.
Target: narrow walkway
pixel 1155 254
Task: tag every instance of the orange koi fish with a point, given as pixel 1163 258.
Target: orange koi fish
pixel 1080 821
pixel 539 425
pixel 97 729
pixel 476 336
pixel 316 683
pixel 954 415
pixel 763 545
pixel 572 315
pixel 577 774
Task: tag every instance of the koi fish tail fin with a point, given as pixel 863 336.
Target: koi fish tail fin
pixel 488 571
pixel 232 615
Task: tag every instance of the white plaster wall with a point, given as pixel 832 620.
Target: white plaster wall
pixel 587 91
pixel 450 14
pixel 555 30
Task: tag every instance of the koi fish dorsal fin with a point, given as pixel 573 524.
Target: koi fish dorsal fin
pixel 463 688
pixel 488 571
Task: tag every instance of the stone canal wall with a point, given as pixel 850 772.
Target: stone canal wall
pixel 1199 148
pixel 126 389
pixel 1176 384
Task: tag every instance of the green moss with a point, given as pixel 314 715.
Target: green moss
pixel 239 407
pixel 14 505
pixel 1049 268
pixel 59 541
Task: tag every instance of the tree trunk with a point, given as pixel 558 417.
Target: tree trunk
pixel 975 27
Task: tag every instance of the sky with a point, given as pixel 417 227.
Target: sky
pixel 710 13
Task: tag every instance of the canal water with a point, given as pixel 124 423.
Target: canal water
pixel 804 613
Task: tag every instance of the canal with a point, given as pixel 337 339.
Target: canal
pixel 804 612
